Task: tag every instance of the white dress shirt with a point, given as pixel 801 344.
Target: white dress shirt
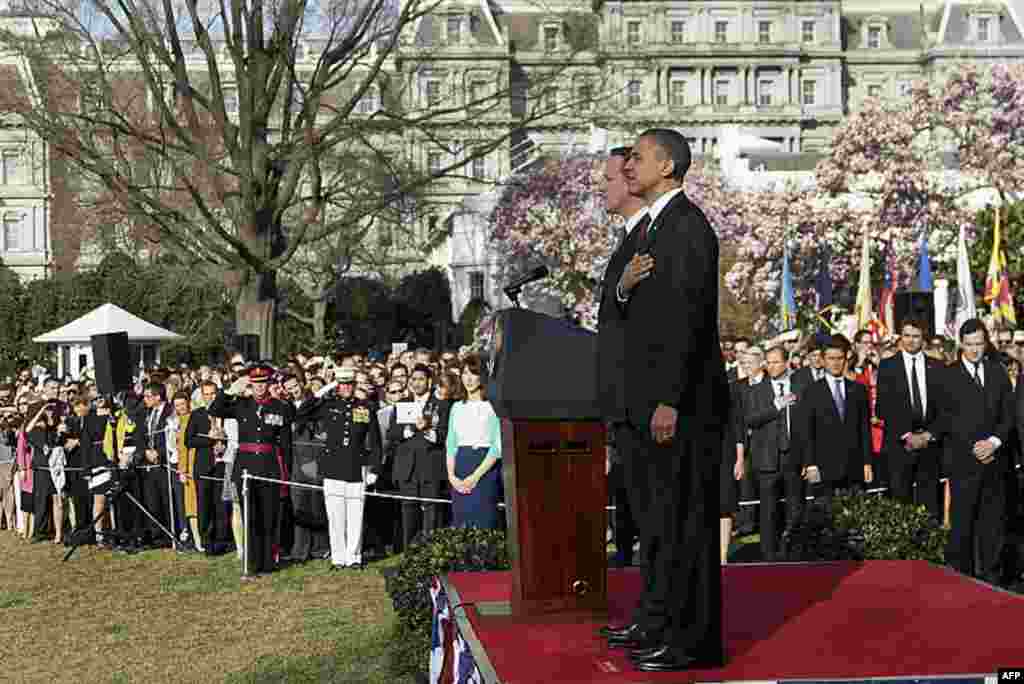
pixel 908 361
pixel 654 210
pixel 996 442
pixel 635 219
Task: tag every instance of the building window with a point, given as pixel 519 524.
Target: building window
pixel 231 100
pixel 678 32
pixel 764 93
pixel 874 90
pixel 480 168
pixel 678 93
pixel 369 102
pixel 10 167
pixel 585 95
pixel 453 30
pixel 633 93
pixel 550 99
pixel 722 93
pixel 807 31
pixel 984 24
pixel 15 237
pixel 476 285
pixel 633 32
pixel 904 88
pixel 764 32
pixel 550 38
pixel 874 37
pixel 808 92
pixel 721 31
pixel 434 162
pixel 433 93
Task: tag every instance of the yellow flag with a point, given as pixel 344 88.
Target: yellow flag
pixel 863 307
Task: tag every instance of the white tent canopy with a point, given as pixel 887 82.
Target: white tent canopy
pixel 103 320
pixel 74 343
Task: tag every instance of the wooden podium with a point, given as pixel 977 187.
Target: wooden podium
pixel 543 387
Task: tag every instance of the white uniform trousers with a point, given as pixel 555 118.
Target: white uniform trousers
pixel 344 501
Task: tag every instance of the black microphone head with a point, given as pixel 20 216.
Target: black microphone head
pixel 540 272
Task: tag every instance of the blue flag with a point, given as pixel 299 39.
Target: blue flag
pixel 787 307
pixel 924 268
pixel 823 282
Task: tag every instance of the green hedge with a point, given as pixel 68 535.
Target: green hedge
pixel 408 583
pixel 866 528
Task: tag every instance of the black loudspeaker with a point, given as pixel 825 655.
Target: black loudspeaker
pixel 247 345
pixel 111 359
pixel 542 368
pixel 915 304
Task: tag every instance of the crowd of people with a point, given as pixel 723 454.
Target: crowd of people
pixel 900 420
pixel 160 464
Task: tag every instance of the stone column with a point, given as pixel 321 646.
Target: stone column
pixel 746 85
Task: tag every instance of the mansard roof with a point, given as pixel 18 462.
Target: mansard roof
pixel 954 29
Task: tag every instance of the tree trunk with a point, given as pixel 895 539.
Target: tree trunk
pixel 320 320
pixel 256 310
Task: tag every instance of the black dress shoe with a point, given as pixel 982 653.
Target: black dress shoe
pixel 667 659
pixel 634 638
pixel 608 631
pixel 640 654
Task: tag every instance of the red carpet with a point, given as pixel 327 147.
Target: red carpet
pixel 782 621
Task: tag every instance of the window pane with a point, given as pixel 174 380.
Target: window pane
pixel 10 168
pixel 14 234
pixel 551 38
pixel 764 32
pixel 480 167
pixel 808 32
pixel 231 100
pixel 434 162
pixel 454 25
pixel 678 93
pixel 633 92
pixel 476 285
pixel 808 92
pixel 720 31
pixel 633 32
pixel 764 93
pixel 874 37
pixel 983 29
pixel 433 93
pixel 678 31
pixel 722 92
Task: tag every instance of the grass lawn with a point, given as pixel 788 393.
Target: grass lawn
pixel 161 617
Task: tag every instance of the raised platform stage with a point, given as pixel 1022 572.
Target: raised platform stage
pixel 821 622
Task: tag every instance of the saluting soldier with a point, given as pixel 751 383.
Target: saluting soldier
pixel 264 435
pixel 351 460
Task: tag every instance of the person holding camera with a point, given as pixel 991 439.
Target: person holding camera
pixel 41 432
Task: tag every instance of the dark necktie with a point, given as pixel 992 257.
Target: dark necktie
pixel 837 394
pixel 977 375
pixel 784 423
pixel 642 228
pixel 915 391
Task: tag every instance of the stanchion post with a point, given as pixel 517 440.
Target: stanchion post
pixel 245 522
pixel 170 501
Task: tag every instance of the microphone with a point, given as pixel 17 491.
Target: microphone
pixel 536 274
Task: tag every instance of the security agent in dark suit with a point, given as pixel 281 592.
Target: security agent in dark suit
pixel 153 481
pixel 836 435
pixel 611 353
pixel 907 385
pixel 774 420
pixel 975 405
pixel 677 401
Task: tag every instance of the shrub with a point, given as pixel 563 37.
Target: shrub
pixel 866 528
pixel 891 530
pixel 408 584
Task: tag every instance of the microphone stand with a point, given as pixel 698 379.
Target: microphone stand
pixel 513 294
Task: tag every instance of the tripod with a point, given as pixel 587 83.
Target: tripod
pixel 115 490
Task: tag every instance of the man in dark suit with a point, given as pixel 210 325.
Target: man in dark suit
pixel 907 386
pixel 153 481
pixel 611 352
pixel 975 405
pixel 418 458
pixel 677 400
pixel 212 521
pixel 836 439
pixel 774 420
pixel 815 370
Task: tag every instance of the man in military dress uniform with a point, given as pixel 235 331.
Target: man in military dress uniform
pixel 264 434
pixel 352 457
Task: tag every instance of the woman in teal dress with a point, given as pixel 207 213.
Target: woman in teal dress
pixel 473 450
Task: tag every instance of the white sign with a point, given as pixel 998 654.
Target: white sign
pixel 399 347
pixel 408 412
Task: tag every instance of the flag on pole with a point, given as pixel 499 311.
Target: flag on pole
pixel 823 282
pixel 997 282
pixel 862 310
pixel 924 267
pixel 887 299
pixel 965 308
pixel 787 304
